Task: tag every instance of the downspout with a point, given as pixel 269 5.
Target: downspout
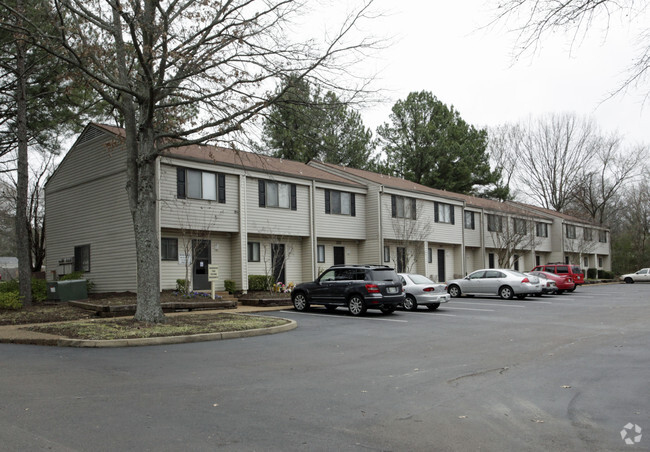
pixel 482 236
pixel 158 221
pixel 313 232
pixel 462 235
pixel 243 233
pixel 381 229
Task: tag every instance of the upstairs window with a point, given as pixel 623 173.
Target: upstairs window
pixel 443 213
pixel 602 237
pixel 587 235
pixel 570 231
pixel 494 223
pixel 520 226
pixel 196 184
pixel 402 207
pixel 277 194
pixel 541 229
pixel 469 220
pixel 340 203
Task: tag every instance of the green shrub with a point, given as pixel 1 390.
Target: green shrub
pixel 10 300
pixel 592 273
pixel 259 282
pixel 182 285
pixel 39 288
pixel 9 286
pixel 604 274
pixel 230 285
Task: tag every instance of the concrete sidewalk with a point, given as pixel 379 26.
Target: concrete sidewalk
pixel 17 334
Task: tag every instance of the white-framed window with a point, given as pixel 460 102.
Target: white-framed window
pixel 253 251
pixel 570 231
pixel 585 261
pixel 339 203
pixel 469 220
pixel 520 226
pixel 403 207
pixel 494 223
pixel 600 262
pixel 82 258
pixel 541 230
pixel 277 194
pixel 169 249
pixel 430 255
pixel 197 184
pixel 602 236
pixel 321 253
pixel 386 253
pixel 443 213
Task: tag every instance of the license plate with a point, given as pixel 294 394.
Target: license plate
pixel 391 290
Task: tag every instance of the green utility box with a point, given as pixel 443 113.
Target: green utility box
pixel 74 289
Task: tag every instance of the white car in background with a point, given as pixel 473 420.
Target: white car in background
pixel 420 290
pixel 495 281
pixel 642 275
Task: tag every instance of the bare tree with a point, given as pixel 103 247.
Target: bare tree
pixel 533 20
pixel 410 234
pixel 276 251
pixel 191 70
pixel 511 236
pixel 602 177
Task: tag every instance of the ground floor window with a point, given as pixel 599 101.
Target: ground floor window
pixel 168 249
pixel 321 253
pixel 253 251
pixel 386 254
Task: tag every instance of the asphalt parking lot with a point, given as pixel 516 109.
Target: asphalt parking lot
pixel 567 372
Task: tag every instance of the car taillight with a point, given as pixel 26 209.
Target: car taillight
pixel 372 288
pixel 525 280
pixel 429 289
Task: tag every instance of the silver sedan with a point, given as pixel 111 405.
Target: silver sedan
pixel 495 281
pixel 420 290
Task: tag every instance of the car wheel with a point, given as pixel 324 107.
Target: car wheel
pixel 521 296
pixel 356 305
pixel 559 292
pixel 300 302
pixel 433 307
pixel 330 307
pixel 571 290
pixel 629 280
pixel 506 293
pixel 538 294
pixel 410 304
pixel 454 291
pixel 387 310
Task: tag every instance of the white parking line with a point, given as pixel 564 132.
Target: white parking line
pixel 541 302
pixel 470 309
pixel 346 317
pixel 490 304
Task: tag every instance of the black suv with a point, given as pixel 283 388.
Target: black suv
pixel 358 287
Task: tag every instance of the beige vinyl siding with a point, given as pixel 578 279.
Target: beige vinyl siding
pixel 308 257
pixel 293 253
pixel 473 260
pixel 473 236
pixel 370 250
pixel 91 212
pixel 275 220
pixel 172 270
pixel 351 252
pixel 341 226
pixel 197 214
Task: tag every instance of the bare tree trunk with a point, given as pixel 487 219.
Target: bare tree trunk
pixel 22 237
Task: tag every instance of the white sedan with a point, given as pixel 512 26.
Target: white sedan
pixel 420 290
pixel 642 275
pixel 495 281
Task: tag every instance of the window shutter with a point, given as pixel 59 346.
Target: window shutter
pixel 473 225
pixel 414 206
pixel 451 208
pixel 353 207
pixel 294 197
pixel 327 201
pixel 180 182
pixel 393 206
pixel 262 193
pixel 221 184
pixel 435 211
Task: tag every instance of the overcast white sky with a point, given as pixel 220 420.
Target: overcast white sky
pixel 440 47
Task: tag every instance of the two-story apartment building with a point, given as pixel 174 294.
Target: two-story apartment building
pixel 256 215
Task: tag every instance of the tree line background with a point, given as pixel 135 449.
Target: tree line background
pixel 227 72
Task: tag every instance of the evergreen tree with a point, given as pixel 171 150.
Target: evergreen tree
pixel 429 143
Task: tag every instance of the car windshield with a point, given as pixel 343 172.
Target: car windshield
pixel 419 279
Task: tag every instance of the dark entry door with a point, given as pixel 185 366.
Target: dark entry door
pixel 339 255
pixel 200 261
pixel 442 277
pixel 401 259
pixel 278 260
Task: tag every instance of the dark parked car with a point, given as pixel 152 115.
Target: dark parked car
pixel 357 287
